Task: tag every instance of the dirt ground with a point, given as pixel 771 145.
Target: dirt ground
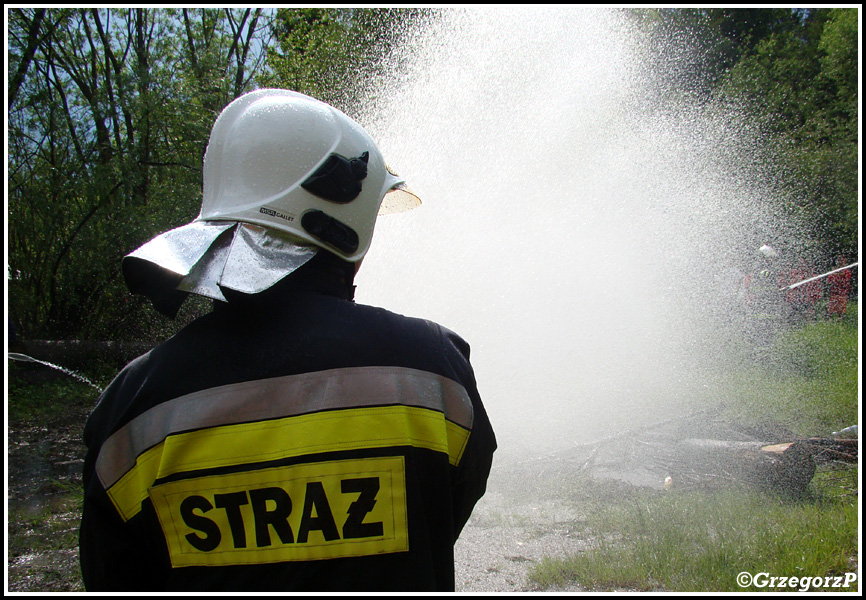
pixel 43 501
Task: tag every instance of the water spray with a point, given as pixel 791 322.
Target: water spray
pixel 64 370
pixel 577 208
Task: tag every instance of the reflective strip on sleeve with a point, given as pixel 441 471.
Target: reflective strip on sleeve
pixel 285 417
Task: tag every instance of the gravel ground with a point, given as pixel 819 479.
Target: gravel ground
pixel 510 531
pixel 497 558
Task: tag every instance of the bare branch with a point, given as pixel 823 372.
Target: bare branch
pixel 29 52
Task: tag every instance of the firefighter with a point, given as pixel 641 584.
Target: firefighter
pixel 291 439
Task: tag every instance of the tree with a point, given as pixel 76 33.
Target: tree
pixel 109 116
pixel 337 55
pixel 800 83
pixel 311 56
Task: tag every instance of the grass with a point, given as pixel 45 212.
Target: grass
pixel 54 526
pixel 698 540
pixel 809 381
pixel 36 393
pixel 42 547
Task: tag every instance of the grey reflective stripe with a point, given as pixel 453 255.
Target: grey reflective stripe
pixel 281 397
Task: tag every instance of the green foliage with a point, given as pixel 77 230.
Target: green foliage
pixel 312 56
pixel 839 62
pixel 338 55
pixel 108 122
pixel 794 73
pixel 801 84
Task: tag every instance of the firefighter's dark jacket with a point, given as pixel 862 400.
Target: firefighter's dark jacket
pixel 298 441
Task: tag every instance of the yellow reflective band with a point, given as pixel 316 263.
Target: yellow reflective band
pixel 311 511
pixel 247 443
pixel 276 398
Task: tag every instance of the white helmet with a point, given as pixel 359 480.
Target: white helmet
pixel 284 176
pixel 287 161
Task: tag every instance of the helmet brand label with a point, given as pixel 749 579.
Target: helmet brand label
pixel 274 213
pixel 310 511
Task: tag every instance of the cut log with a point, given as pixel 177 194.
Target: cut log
pixel 707 450
pixel 787 467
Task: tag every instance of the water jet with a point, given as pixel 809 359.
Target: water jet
pixel 75 375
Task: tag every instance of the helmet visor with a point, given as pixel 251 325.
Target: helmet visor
pixel 398 199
